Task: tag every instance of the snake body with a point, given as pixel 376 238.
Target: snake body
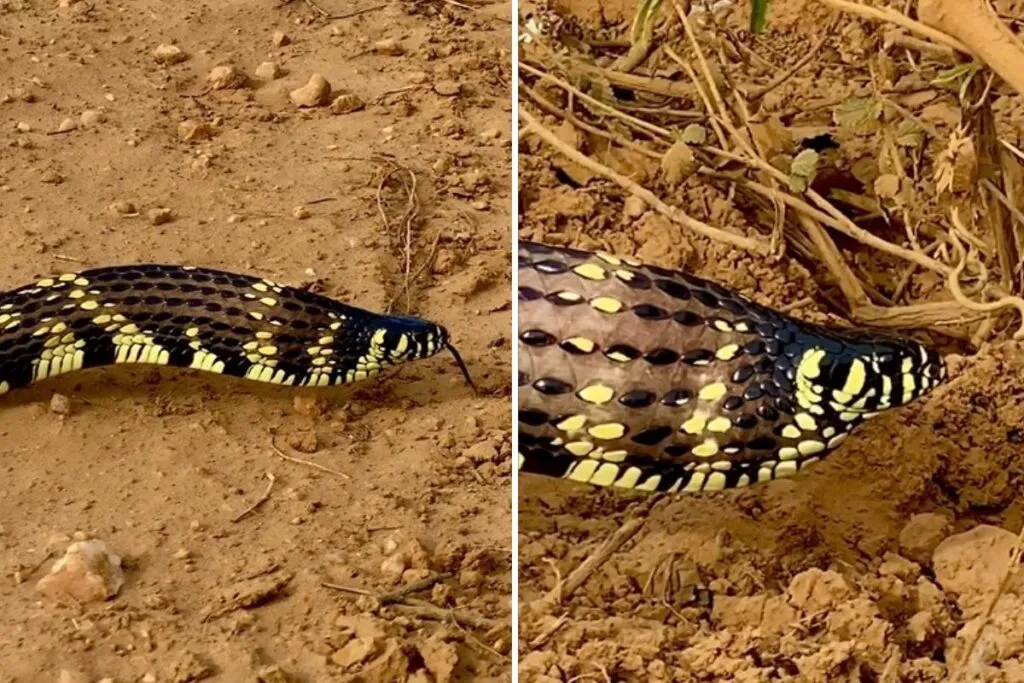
pixel 639 377
pixel 210 320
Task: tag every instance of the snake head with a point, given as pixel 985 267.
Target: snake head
pixel 854 377
pixel 407 338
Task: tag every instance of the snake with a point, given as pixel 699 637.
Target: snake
pixel 210 320
pixel 634 376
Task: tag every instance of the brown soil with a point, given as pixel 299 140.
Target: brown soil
pixel 834 575
pixel 158 464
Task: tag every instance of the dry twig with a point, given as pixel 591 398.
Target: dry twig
pixel 262 499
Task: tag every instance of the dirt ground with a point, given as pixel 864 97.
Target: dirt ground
pixel 100 129
pixel 876 565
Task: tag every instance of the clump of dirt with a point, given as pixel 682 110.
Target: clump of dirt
pixel 270 534
pixel 872 565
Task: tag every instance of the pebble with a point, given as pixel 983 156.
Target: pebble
pixel 269 71
pixel 23 127
pixel 482 451
pixel 388 46
pixel 813 589
pixel 191 131
pixel 316 92
pixel 66 125
pixel 356 651
pixel 634 207
pixel 447 87
pixel 225 77
pixel 169 54
pixel 88 572
pixel 60 405
pixel 490 134
pixel 160 216
pixel 346 104
pixel 419 77
pixel 309 406
pixel 922 534
pixel 92 117
pixel 123 207
pixel 52 178
pixel 301 212
pixel 281 39
pixel 394 566
pixel 236 218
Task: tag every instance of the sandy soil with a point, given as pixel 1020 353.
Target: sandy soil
pixel 876 565
pixel 158 464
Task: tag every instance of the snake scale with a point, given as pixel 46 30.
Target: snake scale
pixel 210 320
pixel 644 378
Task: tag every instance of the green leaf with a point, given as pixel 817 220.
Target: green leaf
pixel 802 170
pixel 758 15
pixel 909 134
pixel 694 134
pixel 859 114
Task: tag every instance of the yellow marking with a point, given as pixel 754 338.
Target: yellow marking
pixel 727 352
pixel 313 350
pixel 722 326
pixel 579 448
pixel 130 328
pixel 256 315
pixel 742 327
pixel 605 475
pixel 856 378
pixel 268 301
pixel 706 449
pixel 250 346
pixel 81 282
pixel 675 487
pixel 598 394
pixel 808 462
pixel 848 416
pixel 583 470
pixel 67 277
pixel 58 328
pixel 402 346
pixel 607 431
pixel 696 423
pixel 263 334
pixel 785 469
pixel 590 271
pixel 76 294
pixel 810 364
pixel 4 387
pixel 696 482
pixel 791 432
pixel 102 319
pixel 806 422
pixel 630 478
pixel 607 304
pixel 789 453
pixel 618 357
pixel 330 340
pixel 651 484
pixel 11 325
pixel 609 259
pixel 41 331
pixel 625 275
pixel 45 283
pixel 719 424
pixel 744 480
pixel 713 392
pixel 335 326
pixel 260 287
pixel 716 482
pixel 721 465
pixel 765 474
pixel 907 365
pixel 842 398
pixel 582 343
pixel 569 296
pixel 268 350
pixel 836 440
pixel 810 447
pixel 572 424
pixel 614 456
pixel 89 305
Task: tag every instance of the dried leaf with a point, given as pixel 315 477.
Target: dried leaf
pixel 887 186
pixel 909 134
pixel 859 114
pixel 678 163
pixel 802 170
pixel 695 134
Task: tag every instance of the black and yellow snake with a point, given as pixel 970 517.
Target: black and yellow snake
pixel 638 377
pixel 199 318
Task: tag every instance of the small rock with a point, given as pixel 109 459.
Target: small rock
pixel 23 127
pixel 69 676
pixel 971 563
pixel 490 134
pixel 123 207
pixel 447 87
pixel 272 673
pixel 169 54
pixel 92 117
pixel 52 178
pixel 316 93
pixel 443 164
pixel 482 451
pixel 160 216
pixel 269 71
pixel 634 207
pixel 356 651
pixel 922 534
pixel 281 39
pixel 23 95
pixel 191 131
pixel 236 218
pixel 346 104
pixel 309 406
pixel 419 77
pixel 814 590
pixel 394 566
pixel 67 125
pixel 191 667
pixel 439 658
pixel 900 567
pixel 88 572
pixel 301 212
pixel 388 46
pixel 389 546
pixel 920 626
pixel 225 77
pixel 305 441
pixel 60 405
pixel 470 578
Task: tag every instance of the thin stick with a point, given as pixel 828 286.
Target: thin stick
pixel 673 213
pixel 354 13
pixel 345 589
pixel 262 499
pixel 414 587
pixel 549 631
pixel 421 608
pixel 891 15
pixel 307 463
pixel 579 576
